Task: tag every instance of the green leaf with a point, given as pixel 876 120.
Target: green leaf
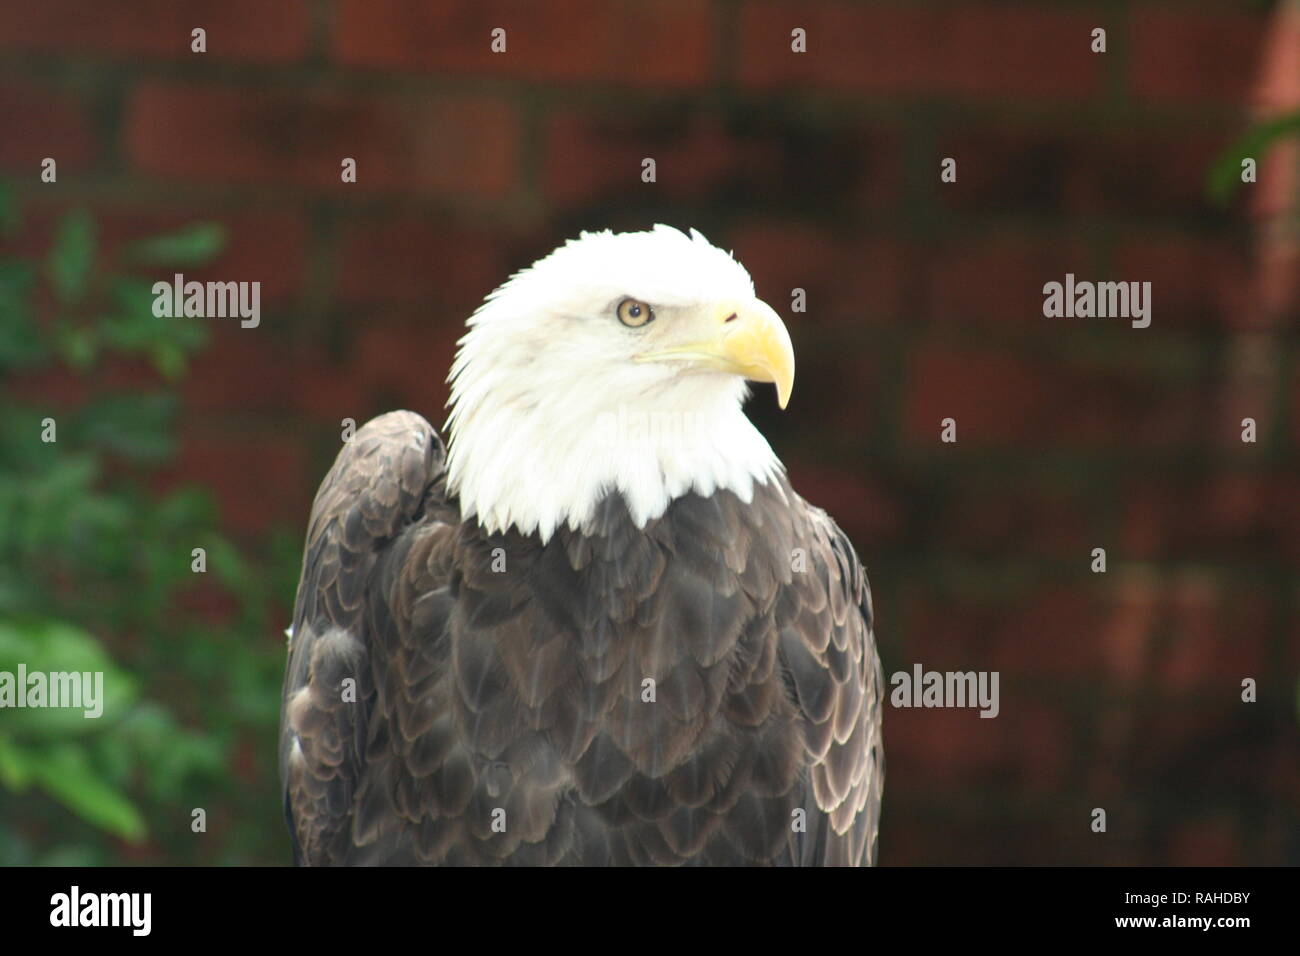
pixel 135 425
pixel 20 340
pixel 90 544
pixel 72 257
pixel 191 246
pixel 168 340
pixel 1225 174
pixel 72 855
pixel 168 360
pixel 15 768
pixel 79 345
pixel 47 646
pixel 66 774
pixel 226 562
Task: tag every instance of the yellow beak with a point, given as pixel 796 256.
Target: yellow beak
pixel 743 338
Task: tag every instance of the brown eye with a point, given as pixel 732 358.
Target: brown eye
pixel 634 313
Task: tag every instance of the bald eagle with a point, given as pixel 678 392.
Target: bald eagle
pixel 598 626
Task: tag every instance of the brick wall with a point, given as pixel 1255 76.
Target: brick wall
pixel 822 171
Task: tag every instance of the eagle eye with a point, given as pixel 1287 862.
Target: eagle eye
pixel 634 313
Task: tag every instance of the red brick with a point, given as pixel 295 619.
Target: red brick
pixel 1218 633
pixel 239 371
pixel 38 123
pixel 988 394
pixel 995 277
pixel 1000 399
pixel 1278 94
pixel 51 390
pixel 245 371
pixel 1213 842
pixel 931 827
pixel 58 389
pixel 42 214
pixel 265 247
pixel 592 155
pixel 943 746
pixel 1273 195
pixel 1280 766
pixel 921 836
pixel 324 391
pixel 1280 80
pixel 1127 636
pixel 1016 50
pixel 1024 747
pixel 451 145
pixel 1136 173
pixel 207 601
pixel 1198 744
pixel 1176 725
pixel 250 30
pixel 849 279
pixel 1185 633
pixel 1277 280
pixel 822 359
pixel 1193 281
pixel 1005 168
pixel 866 510
pixel 1051 631
pixel 412 260
pixel 1243 515
pixel 944 630
pixel 988 518
pixel 650 43
pixel 259 479
pixel 1295 401
pixel 595 154
pixel 1284 495
pixel 1056 631
pixel 401 360
pixel 1181 54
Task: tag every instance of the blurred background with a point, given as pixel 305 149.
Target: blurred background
pixel 1119 690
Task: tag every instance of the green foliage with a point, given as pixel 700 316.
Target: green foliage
pixel 60 751
pixel 1225 175
pixel 72 258
pixel 192 246
pixel 95 576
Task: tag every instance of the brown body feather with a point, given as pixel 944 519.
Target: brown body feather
pixel 498 712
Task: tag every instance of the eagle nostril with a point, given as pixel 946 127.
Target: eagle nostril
pixel 730 318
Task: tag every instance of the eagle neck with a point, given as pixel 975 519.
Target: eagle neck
pixel 511 467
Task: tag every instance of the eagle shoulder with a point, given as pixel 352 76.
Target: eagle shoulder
pixel 828 652
pixel 383 480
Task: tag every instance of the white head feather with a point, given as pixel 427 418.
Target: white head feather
pixel 551 412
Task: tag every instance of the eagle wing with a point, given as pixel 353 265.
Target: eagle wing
pixel 381 482
pixel 828 653
pixel 423 688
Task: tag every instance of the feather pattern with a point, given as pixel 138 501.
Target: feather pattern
pixel 685 691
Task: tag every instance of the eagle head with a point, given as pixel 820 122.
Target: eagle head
pixel 615 364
